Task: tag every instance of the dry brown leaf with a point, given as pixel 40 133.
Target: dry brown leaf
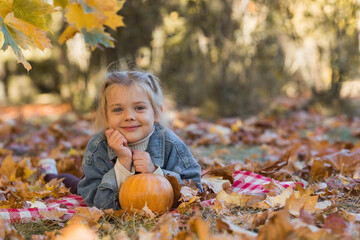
pixel 308 231
pixel 199 227
pixel 344 161
pixel 176 186
pixel 318 171
pixel 301 200
pixel 216 184
pixel 187 193
pixel 219 207
pixel 223 224
pixel 8 167
pixel 241 200
pixel 224 172
pixel 53 214
pixel 335 223
pixel 278 227
pixel 273 188
pixel 275 202
pixel 86 215
pixel 350 217
pixel 259 218
pixel 167 225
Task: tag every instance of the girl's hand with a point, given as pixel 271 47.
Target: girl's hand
pixel 119 144
pixel 142 162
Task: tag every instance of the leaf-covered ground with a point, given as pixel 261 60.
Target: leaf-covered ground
pixel 321 154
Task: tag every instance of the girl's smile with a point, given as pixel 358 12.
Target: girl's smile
pixel 130 128
pixel 129 110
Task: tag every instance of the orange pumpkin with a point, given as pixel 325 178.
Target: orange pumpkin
pixel 154 190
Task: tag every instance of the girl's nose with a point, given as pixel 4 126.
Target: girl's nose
pixel 129 115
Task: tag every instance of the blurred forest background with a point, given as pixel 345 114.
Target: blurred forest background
pixel 225 57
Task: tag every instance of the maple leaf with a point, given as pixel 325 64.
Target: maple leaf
pixel 302 200
pixel 33 34
pixel 52 214
pixel 275 202
pixel 241 200
pixel 9 41
pixel 89 18
pixel 23 23
pixel 33 12
pixel 86 215
pixel 8 167
pixel 278 227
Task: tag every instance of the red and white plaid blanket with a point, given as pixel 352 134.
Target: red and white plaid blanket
pixel 64 205
pixel 244 182
pixel 249 183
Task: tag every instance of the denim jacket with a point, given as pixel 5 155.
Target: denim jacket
pixel 99 188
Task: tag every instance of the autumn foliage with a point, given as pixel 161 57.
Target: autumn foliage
pixel 318 156
pixel 25 23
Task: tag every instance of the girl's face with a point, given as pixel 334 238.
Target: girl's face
pixel 129 110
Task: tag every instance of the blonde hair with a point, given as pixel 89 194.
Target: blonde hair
pixel 146 81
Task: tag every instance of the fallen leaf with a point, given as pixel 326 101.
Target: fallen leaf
pixel 216 184
pixel 335 223
pixel 52 214
pixel 199 227
pixel 275 202
pixel 176 186
pixel 241 200
pixel 187 193
pixel 302 200
pixel 86 215
pixel 223 224
pixel 273 188
pixel 278 227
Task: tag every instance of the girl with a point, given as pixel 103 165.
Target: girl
pixel 133 139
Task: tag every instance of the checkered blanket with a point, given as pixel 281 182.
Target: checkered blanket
pixel 64 207
pixel 250 183
pixel 244 182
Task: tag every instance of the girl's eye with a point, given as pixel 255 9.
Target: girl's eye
pixel 139 108
pixel 117 110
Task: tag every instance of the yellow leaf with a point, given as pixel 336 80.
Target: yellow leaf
pixel 34 12
pixel 304 201
pixel 114 20
pixel 67 34
pixel 277 201
pixel 242 200
pixel 14 38
pixel 34 34
pixel 85 215
pixel 2 40
pixel 109 8
pixel 80 19
pixel 8 167
pixel 233 198
pixel 60 3
pixel 6 6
